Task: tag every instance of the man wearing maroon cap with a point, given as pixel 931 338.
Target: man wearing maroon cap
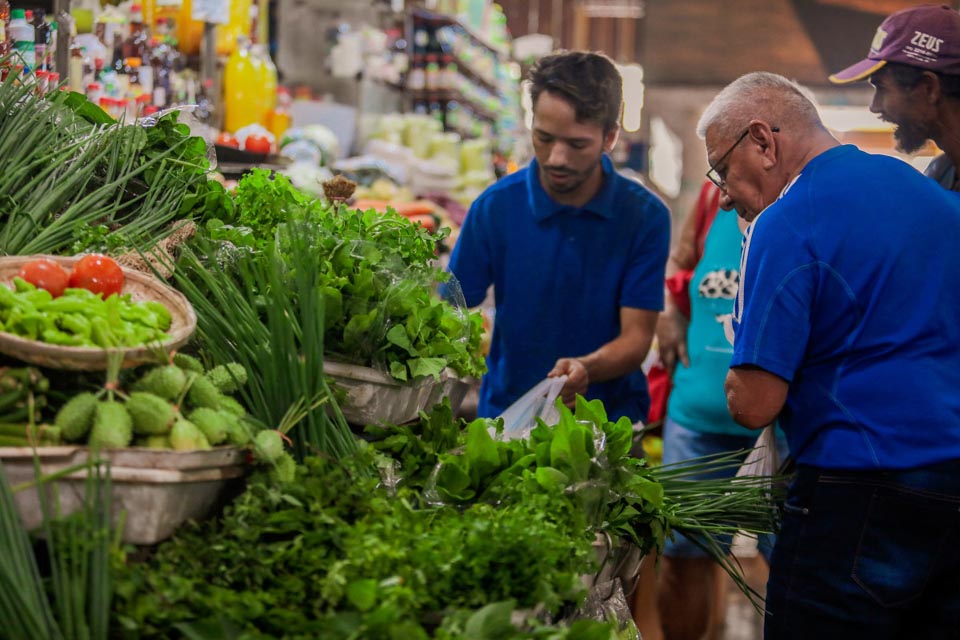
pixel 914 65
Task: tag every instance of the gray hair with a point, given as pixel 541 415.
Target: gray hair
pixel 758 95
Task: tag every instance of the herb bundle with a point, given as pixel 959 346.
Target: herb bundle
pixel 67 170
pixel 269 316
pixel 74 601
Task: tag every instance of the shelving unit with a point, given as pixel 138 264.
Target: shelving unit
pixel 457 75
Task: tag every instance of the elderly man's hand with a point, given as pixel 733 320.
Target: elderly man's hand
pixel 578 379
pixel 672 340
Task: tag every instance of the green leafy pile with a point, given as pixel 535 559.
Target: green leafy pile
pixel 337 555
pixel 586 458
pixel 460 530
pixel 378 285
pixel 377 278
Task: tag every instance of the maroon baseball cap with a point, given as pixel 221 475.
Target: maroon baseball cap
pixel 926 37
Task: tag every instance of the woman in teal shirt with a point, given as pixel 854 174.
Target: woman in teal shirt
pixel 697 352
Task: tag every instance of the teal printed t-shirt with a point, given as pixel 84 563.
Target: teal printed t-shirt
pixel 697 400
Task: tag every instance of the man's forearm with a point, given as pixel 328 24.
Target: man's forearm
pixel 620 356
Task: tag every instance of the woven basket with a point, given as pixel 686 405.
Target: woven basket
pixel 140 286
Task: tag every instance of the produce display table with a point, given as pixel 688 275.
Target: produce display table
pixel 159 490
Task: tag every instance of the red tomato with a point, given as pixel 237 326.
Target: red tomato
pixel 97 273
pixel 227 140
pixel 257 144
pixel 45 274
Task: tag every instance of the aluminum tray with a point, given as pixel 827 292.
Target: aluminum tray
pixel 373 397
pixel 159 490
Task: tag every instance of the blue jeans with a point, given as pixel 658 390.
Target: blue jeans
pixel 868 555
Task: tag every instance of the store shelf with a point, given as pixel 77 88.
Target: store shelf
pixel 445 95
pixel 441 20
pixel 478 79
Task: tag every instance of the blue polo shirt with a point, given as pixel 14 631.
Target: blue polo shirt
pixel 849 291
pixel 560 276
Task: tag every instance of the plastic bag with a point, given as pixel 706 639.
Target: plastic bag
pixel 539 402
pixel 764 458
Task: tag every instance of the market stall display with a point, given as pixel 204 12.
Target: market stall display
pixel 378 521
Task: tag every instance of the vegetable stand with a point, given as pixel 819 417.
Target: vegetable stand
pixel 314 320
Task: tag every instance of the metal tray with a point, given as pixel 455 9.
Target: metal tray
pixel 373 397
pixel 159 490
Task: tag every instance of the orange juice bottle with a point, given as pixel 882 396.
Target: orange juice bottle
pixel 241 88
pixel 189 31
pixel 239 25
pixel 267 80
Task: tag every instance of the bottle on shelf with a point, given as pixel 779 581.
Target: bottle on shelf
pixel 22 38
pixel 431 73
pixel 51 61
pixel 41 39
pixel 4 21
pixel 278 118
pixel 94 92
pixel 40 81
pixel 160 72
pixel 135 44
pixel 266 72
pixel 83 12
pixel 240 88
pixel 228 35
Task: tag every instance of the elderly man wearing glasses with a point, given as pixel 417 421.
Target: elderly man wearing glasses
pixel 846 330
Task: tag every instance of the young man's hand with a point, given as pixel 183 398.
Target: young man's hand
pixel 577 379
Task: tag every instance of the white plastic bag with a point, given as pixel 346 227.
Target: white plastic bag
pixel 764 459
pixel 520 418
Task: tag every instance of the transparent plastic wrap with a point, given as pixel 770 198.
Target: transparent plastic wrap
pixel 536 404
pixel 382 310
pixel 392 344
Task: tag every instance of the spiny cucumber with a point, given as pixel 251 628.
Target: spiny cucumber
pixel 284 469
pixel 232 405
pixel 187 362
pixel 228 377
pixel 186 436
pixel 214 424
pixel 166 381
pixel 151 414
pixel 203 393
pixel 268 446
pixel 112 426
pixel 75 418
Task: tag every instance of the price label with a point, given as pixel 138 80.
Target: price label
pixel 215 11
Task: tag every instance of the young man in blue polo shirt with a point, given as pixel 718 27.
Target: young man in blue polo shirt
pixel 846 329
pixel 575 252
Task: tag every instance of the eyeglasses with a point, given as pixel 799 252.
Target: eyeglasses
pixel 714 174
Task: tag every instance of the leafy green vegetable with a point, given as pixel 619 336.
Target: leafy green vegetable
pixel 65 166
pixel 336 555
pixel 376 275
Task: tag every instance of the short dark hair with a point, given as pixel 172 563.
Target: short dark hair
pixel 590 82
pixel 907 77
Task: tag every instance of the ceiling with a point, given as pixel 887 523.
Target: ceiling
pixel 711 42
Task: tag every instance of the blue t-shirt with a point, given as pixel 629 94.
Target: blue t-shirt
pixel 697 400
pixel 560 276
pixel 849 292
